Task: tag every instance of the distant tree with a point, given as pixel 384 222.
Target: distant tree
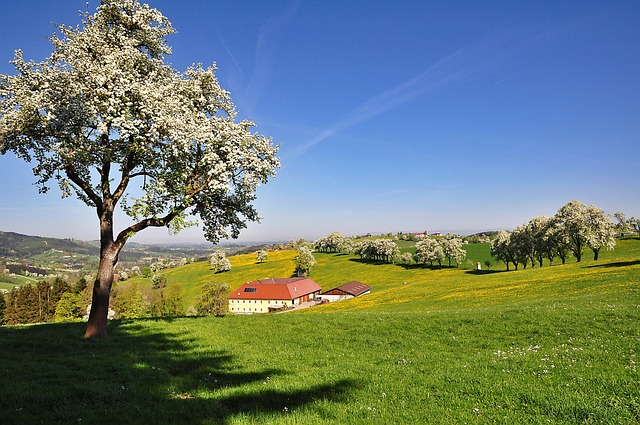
pixel 452 247
pixel 335 242
pixel 600 230
pixel 167 301
pixel 524 237
pixel 130 303
pixel 69 307
pixel 425 250
pixel 34 304
pixel 385 250
pixel 304 261
pixel 502 249
pixel 262 256
pixel 556 242
pixel 521 246
pixel 538 228
pixel 10 303
pixel 79 286
pixel 586 227
pixel 158 281
pixel 635 224
pixel 406 258
pixel 572 219
pixel 219 261
pixel 224 265
pixel 212 300
pixel 56 291
pixel 158 266
pixel 295 244
pixel 3 305
pixel 105 111
pixel 147 273
pixel 623 224
pixel 22 305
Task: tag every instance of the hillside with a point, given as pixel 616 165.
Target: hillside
pixel 552 345
pixel 18 246
pixel 414 287
pixel 42 255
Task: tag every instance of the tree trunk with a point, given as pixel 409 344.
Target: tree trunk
pixel 595 254
pixel 97 324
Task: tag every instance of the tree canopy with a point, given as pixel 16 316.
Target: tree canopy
pixel 107 119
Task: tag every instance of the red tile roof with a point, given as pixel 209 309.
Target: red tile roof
pixel 275 289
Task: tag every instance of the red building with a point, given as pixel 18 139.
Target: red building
pixel 262 296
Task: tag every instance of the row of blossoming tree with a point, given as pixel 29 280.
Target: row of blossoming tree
pixel 572 229
pixel 386 250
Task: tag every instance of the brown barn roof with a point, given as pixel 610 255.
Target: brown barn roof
pixel 275 289
pixel 352 288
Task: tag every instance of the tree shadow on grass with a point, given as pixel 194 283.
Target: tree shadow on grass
pixel 136 376
pixel 615 264
pixel 482 272
pixel 425 266
pixel 370 262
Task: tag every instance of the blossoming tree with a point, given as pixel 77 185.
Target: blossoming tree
pixel 107 119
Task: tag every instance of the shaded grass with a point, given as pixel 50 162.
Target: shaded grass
pixel 559 363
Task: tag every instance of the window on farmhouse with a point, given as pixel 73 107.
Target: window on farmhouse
pixel 249 289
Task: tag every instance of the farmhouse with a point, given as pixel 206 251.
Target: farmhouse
pixel 346 291
pixel 262 296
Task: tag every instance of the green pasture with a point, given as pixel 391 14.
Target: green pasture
pixel 554 345
pixel 16 281
pixel 330 270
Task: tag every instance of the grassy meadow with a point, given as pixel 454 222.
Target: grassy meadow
pixel 545 345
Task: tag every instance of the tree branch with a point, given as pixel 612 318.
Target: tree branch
pixel 105 171
pixel 147 222
pixel 129 165
pixel 86 188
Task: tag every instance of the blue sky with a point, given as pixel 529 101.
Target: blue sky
pixel 393 115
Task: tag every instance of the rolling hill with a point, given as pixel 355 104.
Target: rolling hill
pixel 545 345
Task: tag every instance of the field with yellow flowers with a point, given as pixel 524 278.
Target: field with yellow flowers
pixel 554 344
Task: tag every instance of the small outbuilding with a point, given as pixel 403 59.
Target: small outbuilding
pixel 348 290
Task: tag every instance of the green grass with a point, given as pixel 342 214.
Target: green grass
pixel 18 280
pixel 546 345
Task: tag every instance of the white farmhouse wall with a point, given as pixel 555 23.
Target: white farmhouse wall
pixel 333 298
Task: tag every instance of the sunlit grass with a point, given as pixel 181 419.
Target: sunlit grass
pixel 545 345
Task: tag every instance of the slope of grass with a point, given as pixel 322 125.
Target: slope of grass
pixel 549 345
pixel 244 268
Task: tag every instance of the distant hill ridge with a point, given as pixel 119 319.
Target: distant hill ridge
pixel 16 245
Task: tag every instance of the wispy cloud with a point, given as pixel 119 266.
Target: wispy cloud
pixel 265 53
pixel 226 49
pixel 473 61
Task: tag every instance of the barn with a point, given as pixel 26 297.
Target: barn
pixel 346 291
